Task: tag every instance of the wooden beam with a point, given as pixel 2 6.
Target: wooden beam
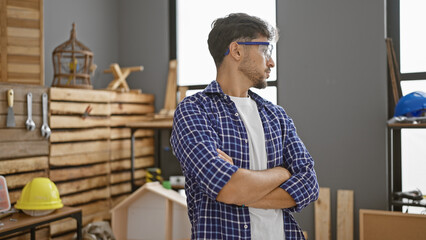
pixel 78 172
pixel 125 144
pixel 141 162
pixel 125 108
pixel 121 188
pixel 79 159
pixel 125 153
pixel 85 197
pixel 120 133
pixel 80 135
pixel 130 97
pixel 79 95
pixel 97 109
pixel 62 149
pixel 20 135
pixel 10 150
pixel 23 165
pixel 57 121
pixel 20 180
pixel 82 185
pixel 323 215
pixel 345 214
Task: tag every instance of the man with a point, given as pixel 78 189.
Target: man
pixel 246 168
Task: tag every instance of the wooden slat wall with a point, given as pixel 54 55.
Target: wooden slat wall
pixel 23 153
pixel 128 107
pixel 21 42
pixel 80 152
pixel 88 158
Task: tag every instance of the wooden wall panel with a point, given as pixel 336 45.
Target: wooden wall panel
pixel 23 153
pixel 21 42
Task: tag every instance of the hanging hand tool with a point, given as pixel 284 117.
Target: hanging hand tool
pixel 45 130
pixel 10 114
pixel 30 124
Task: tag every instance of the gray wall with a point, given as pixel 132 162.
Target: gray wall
pixel 144 40
pixel 331 68
pixel 332 81
pixel 97 26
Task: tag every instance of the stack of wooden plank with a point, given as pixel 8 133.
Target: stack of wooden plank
pixel 79 152
pixel 88 153
pixel 23 153
pixel 125 108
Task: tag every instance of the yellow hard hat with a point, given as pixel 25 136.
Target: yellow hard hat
pixel 39 194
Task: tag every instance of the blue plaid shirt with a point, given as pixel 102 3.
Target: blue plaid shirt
pixel 209 120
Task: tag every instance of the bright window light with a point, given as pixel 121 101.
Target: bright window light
pixel 413 35
pixel 194 19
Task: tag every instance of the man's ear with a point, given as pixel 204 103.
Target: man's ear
pixel 235 50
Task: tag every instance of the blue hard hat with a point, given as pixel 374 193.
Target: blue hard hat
pixel 411 105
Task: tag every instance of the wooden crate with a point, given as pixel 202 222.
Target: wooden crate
pixel 387 225
pixel 125 108
pixel 21 42
pixel 23 153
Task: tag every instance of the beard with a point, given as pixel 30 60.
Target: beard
pixel 248 68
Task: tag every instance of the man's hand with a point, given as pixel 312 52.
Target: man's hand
pixel 225 156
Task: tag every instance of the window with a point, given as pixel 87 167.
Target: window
pixel 196 67
pixel 407 28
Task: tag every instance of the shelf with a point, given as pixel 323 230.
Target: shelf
pixel 406 125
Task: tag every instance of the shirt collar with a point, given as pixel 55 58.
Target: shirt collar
pixel 214 88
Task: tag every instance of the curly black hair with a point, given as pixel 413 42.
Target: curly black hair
pixel 236 26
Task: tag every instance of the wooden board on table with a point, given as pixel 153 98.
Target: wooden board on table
pixel 386 225
pixel 78 172
pixel 323 215
pixel 345 214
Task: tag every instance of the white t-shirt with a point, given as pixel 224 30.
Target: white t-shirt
pixel 265 223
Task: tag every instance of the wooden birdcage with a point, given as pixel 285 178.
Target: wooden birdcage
pixel 72 63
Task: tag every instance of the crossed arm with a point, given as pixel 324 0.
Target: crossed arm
pixel 259 189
